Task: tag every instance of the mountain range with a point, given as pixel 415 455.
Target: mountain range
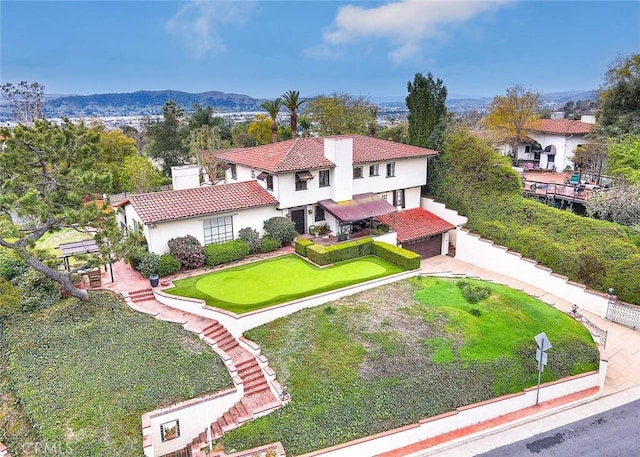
pixel 145 102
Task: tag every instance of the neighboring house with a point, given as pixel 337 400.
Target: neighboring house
pixel 552 143
pixel 345 182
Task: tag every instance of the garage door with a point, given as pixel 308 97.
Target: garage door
pixel 426 247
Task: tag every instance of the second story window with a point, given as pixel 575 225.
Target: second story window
pixel 323 178
pixel 234 171
pixel 269 181
pixel 374 170
pixel 391 169
pixel 301 179
pixel 357 172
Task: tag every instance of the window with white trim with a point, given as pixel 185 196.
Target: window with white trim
pixel 391 169
pixel 323 178
pixel 218 230
pixel 357 172
pixel 374 170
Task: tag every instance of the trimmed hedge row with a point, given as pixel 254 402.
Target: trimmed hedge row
pixel 326 255
pixel 229 251
pixel 397 256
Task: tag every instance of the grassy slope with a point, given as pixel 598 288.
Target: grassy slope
pixel 257 285
pixel 86 372
pixel 392 355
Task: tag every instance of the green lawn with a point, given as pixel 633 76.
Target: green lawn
pixel 390 356
pixel 261 284
pixel 85 373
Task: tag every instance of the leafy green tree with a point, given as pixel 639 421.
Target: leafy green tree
pixel 427 111
pixel 340 114
pixel 46 170
pixel 291 101
pixel 590 157
pixel 139 175
pixel 261 129
pixel 620 97
pixel 240 136
pixel 204 116
pixel 511 116
pixel 624 158
pixel 114 147
pixel 205 143
pixel 398 133
pixel 166 138
pixel 25 100
pixel 273 107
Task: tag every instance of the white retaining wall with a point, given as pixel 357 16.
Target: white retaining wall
pixel 483 253
pixel 464 417
pixel 473 249
pixel 238 324
pixel 194 417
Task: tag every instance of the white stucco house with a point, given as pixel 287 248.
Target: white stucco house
pixel 346 182
pixel 553 142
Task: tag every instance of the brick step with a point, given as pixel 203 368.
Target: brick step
pixel 256 389
pixel 214 329
pixel 216 431
pixel 251 376
pixel 244 363
pixel 201 438
pixel 141 295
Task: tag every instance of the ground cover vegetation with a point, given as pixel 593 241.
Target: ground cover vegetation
pixel 258 285
pixel 390 356
pixel 477 182
pixel 84 372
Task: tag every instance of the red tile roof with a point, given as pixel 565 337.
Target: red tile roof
pixel 561 126
pixel 363 206
pixel 413 224
pixel 308 153
pixel 185 203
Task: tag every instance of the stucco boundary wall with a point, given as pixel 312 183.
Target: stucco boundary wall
pixel 238 324
pixel 3 451
pixel 194 416
pixel 473 249
pixel 467 416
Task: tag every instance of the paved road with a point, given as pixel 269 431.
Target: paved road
pixel 612 433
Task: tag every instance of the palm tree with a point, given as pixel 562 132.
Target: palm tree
pixel 305 123
pixel 291 99
pixel 272 107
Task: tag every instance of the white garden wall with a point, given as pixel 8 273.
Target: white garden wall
pixel 194 416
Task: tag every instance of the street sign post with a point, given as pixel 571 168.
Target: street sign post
pixel 541 356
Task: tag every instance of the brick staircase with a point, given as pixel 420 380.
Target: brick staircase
pixel 138 296
pixel 220 336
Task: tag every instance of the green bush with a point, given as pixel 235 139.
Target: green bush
pixel 11 265
pixel 188 251
pixel 226 252
pixel 401 257
pixel 9 299
pixel 281 229
pixel 473 293
pixel 325 255
pixel 251 237
pixel 149 264
pixel 269 244
pixel 301 246
pixel 36 290
pixel 625 279
pixel 168 265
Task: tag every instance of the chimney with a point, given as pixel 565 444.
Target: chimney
pixel 185 177
pixel 340 152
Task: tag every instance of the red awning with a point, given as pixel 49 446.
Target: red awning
pixel 362 206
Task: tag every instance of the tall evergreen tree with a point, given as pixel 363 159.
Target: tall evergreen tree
pixel 166 138
pixel 427 111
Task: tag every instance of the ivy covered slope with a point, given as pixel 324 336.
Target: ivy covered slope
pixel 476 181
pixel 392 355
pixel 85 372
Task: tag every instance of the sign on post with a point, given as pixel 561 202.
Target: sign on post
pixel 541 356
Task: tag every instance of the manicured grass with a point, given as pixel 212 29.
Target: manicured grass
pixel 390 356
pixel 261 284
pixel 86 372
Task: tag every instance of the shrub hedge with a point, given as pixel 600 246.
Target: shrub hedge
pixel 148 264
pixel 281 229
pixel 251 237
pixel 398 256
pixel 168 265
pixel 226 252
pixel 326 255
pixel 268 244
pixel 188 251
pixel 301 246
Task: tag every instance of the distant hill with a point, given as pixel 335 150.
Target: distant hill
pixel 144 102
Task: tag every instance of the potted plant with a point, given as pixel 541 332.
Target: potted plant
pixel 154 279
pixel 324 230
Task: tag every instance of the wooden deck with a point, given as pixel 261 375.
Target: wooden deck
pixel 566 192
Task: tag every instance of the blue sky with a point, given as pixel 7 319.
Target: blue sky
pixel 263 48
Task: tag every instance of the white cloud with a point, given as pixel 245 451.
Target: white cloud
pixel 406 23
pixel 197 23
